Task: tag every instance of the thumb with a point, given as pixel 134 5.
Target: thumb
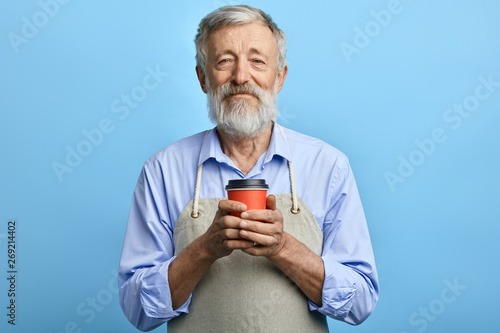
pixel 271 202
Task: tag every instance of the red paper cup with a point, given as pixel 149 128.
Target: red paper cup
pixel 251 192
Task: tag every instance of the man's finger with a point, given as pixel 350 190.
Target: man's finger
pixel 228 206
pixel 259 226
pixel 262 215
pixel 228 221
pixel 238 244
pixel 229 234
pixel 271 202
pixel 266 240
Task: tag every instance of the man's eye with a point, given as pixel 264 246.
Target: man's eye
pixel 258 61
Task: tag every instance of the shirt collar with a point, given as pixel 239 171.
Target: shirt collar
pixel 210 147
pixel 278 145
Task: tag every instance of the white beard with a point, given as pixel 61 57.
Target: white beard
pixel 239 117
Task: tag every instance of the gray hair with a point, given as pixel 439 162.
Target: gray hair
pixel 230 16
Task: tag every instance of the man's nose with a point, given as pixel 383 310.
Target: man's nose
pixel 241 72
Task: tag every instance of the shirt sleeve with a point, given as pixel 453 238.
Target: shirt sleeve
pixel 350 288
pixel 146 255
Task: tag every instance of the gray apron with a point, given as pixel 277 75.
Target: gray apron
pixel 243 293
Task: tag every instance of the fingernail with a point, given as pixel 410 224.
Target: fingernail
pixel 243 224
pixel 243 207
pixel 244 215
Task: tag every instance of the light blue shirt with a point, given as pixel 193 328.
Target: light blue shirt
pixel 324 181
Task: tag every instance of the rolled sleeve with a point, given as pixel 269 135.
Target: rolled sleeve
pixel 350 289
pixel 145 298
pixel 155 295
pixel 146 255
pixel 338 290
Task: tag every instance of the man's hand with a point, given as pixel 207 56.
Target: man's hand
pixel 228 233
pixel 297 261
pixel 264 228
pixel 223 235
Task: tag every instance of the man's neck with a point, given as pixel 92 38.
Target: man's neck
pixel 245 152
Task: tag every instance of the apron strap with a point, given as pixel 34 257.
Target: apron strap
pixel 295 207
pixel 195 213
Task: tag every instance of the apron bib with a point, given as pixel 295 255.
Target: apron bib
pixel 243 293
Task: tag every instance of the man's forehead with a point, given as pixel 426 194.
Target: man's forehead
pixel 256 36
pixel 246 31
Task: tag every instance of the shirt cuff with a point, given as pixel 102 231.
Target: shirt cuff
pixel 338 290
pixel 155 295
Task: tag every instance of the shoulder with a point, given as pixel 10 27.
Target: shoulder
pixel 320 169
pixel 307 147
pixel 175 158
pixel 180 148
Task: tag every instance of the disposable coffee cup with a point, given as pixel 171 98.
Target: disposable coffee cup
pixel 251 192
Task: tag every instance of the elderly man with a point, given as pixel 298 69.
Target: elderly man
pixel 189 262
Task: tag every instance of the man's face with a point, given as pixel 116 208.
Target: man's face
pixel 241 78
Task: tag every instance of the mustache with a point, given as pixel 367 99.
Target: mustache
pixel 230 89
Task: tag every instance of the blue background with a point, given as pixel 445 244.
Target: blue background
pixel 436 225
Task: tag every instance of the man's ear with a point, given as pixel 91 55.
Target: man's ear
pixel 281 78
pixel 201 78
